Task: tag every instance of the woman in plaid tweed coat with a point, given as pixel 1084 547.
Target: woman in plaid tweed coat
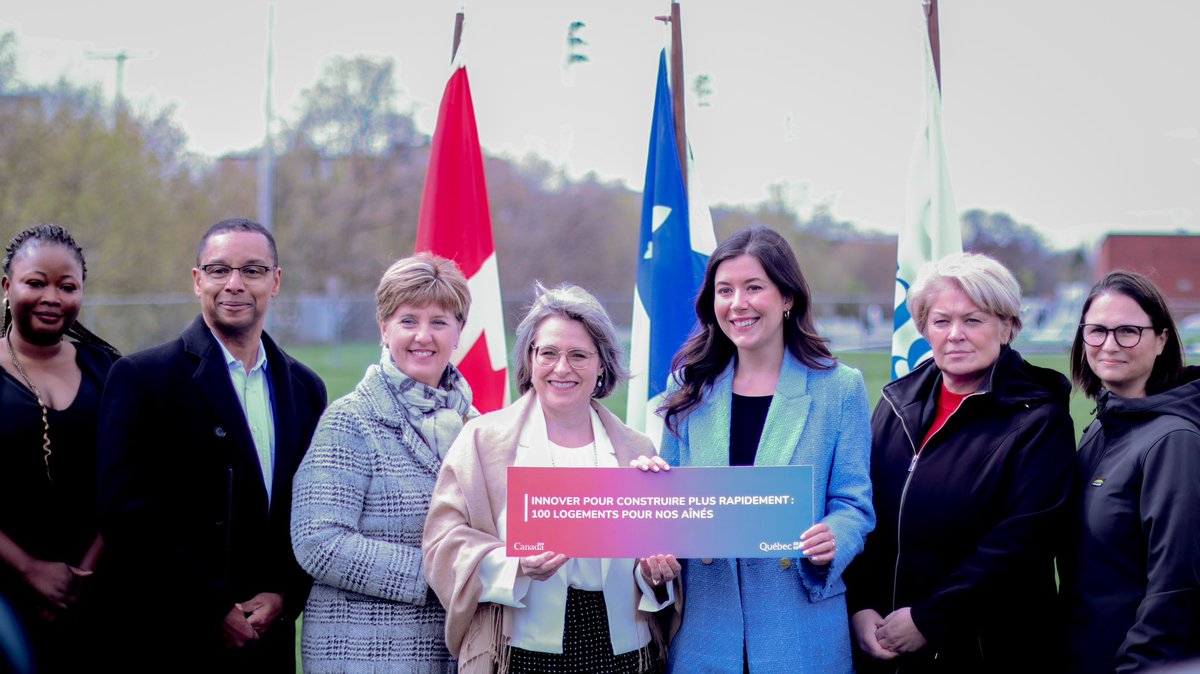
pixel 362 491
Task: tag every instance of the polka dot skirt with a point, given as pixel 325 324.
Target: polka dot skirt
pixel 587 646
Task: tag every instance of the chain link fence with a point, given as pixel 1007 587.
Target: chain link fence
pixel 135 322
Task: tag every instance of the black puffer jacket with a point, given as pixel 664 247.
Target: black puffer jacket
pixel 967 530
pixel 1131 581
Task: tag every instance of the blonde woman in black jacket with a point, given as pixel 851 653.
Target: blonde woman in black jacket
pixel 970 465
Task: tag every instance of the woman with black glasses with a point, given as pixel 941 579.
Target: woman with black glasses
pixel 1131 578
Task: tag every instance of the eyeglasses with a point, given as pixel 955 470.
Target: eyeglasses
pixel 1127 336
pixel 547 356
pixel 249 272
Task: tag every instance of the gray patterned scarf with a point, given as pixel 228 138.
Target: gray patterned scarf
pixel 438 414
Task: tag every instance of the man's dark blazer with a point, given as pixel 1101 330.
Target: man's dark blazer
pixel 183 508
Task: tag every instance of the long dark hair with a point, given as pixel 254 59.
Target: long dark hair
pixel 1168 366
pixel 706 354
pixel 57 235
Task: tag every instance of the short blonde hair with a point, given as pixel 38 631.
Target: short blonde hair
pixel 422 280
pixel 987 283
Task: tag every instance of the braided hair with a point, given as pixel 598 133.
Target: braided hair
pixel 52 234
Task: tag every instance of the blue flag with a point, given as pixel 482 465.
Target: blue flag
pixel 673 250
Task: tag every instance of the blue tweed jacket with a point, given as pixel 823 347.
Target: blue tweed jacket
pixel 358 511
pixel 788 614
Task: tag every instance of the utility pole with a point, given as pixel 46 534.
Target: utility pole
pixel 266 154
pixel 120 57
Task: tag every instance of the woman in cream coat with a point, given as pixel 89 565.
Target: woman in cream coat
pixel 543 612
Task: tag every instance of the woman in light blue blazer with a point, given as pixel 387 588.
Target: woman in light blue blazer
pixel 756 385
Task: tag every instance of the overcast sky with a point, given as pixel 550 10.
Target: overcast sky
pixel 1079 117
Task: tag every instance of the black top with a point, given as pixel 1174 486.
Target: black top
pixel 50 519
pixel 746 427
pixel 1130 573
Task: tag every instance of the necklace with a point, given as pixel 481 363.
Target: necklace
pixel 36 394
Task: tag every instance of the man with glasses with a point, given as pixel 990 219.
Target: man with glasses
pixel 199 439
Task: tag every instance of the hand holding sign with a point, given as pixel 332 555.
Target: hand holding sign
pixel 542 567
pixel 659 569
pixel 820 545
pixel 650 464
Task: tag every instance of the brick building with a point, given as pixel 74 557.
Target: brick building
pixel 1171 260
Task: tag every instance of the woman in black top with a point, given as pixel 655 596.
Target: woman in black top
pixel 49 400
pixel 1131 573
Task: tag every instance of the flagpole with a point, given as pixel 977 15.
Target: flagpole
pixel 458 24
pixel 678 88
pixel 931 25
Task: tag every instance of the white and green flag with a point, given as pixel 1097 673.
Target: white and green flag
pixel 931 225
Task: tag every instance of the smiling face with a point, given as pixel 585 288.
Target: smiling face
pixel 748 305
pixel 44 291
pixel 965 339
pixel 421 340
pixel 235 306
pixel 1124 371
pixel 561 388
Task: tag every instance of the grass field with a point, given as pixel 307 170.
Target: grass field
pixel 342 366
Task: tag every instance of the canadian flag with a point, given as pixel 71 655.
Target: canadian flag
pixel 455 223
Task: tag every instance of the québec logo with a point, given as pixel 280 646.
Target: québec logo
pixel 775 547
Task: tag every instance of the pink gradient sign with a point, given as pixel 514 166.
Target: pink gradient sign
pixel 757 511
